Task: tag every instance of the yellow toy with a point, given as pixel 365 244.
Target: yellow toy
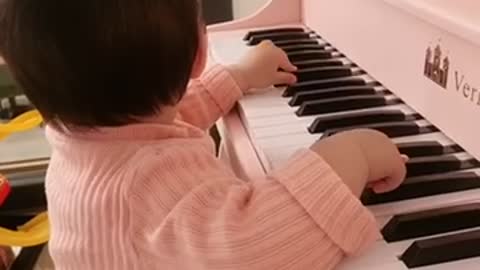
pixel 36 231
pixel 32 233
pixel 23 122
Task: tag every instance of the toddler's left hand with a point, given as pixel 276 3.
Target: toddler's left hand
pixel 261 67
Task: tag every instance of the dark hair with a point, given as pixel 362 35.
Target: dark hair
pixel 91 63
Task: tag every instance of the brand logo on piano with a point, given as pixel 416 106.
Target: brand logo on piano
pixel 436 68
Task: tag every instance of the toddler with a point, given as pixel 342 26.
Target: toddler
pixel 134 182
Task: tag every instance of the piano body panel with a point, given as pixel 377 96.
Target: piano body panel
pixel 237 150
pixel 391 44
pixel 457 17
pixel 272 13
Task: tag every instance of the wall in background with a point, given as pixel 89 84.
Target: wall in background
pixel 216 11
pixel 224 10
pixel 242 8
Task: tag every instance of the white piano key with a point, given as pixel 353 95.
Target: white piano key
pixel 378 256
pixel 265 122
pixel 344 60
pixel 461 156
pixel 429 202
pixel 285 129
pixel 290 122
pixel 379 259
pixel 399 248
pixel 436 136
pixel 303 137
pixel 298 127
pixel 278 150
pixel 273 97
pixel 264 97
pixel 254 111
pixel 382 220
pixel 277 110
pixel 270 102
pixel 261 122
pixel 467 264
pixel 290 117
pixel 384 256
pixel 294 139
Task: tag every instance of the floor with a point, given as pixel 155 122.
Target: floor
pixel 44 262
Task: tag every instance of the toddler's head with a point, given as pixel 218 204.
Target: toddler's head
pixel 93 63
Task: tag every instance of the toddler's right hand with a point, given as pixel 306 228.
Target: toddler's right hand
pixel 363 157
pixel 262 67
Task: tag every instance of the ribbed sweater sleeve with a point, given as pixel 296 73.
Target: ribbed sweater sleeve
pixel 300 217
pixel 209 97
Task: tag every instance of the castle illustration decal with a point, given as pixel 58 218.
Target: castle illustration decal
pixel 436 69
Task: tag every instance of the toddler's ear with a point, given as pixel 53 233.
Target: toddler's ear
pixel 201 57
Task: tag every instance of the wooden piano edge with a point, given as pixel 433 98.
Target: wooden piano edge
pixel 237 149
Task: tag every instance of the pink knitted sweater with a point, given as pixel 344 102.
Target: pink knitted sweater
pixel 154 196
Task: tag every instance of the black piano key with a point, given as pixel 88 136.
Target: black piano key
pixel 429 185
pixel 391 129
pixel 359 118
pixel 290 42
pixel 310 54
pixel 321 84
pixel 319 73
pixel 438 164
pixel 272 31
pixel 430 222
pixel 256 39
pixel 442 249
pixel 427 148
pixel 303 47
pixel 332 105
pixel 320 63
pixel 300 97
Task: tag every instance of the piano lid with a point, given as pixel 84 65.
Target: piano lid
pixel 459 17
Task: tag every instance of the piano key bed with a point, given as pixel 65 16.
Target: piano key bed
pixel 432 221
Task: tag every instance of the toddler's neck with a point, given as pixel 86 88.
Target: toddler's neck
pixel 165 116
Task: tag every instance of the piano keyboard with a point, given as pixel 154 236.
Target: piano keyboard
pixel 432 221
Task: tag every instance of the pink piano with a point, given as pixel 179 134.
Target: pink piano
pixel 409 68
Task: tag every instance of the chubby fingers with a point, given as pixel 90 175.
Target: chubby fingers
pixel 282 78
pixel 388 184
pixel 285 70
pixel 284 62
pixel 278 59
pixel 394 180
